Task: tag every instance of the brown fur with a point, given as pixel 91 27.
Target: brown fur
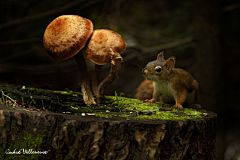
pixel 145 90
pixel 170 83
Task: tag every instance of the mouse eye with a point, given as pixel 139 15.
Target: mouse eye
pixel 158 69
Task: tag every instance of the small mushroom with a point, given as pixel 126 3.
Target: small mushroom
pixel 64 37
pixel 104 46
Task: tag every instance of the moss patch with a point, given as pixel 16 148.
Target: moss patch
pixel 24 147
pixel 136 109
pixel 116 106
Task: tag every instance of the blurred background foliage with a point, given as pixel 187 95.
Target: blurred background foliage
pixel 202 35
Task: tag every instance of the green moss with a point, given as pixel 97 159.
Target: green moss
pixel 68 93
pixel 61 92
pixel 33 89
pixel 118 105
pixel 26 142
pixel 135 109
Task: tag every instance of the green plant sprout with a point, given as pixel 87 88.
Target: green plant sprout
pixel 116 97
pixel 69 91
pixel 42 103
pixel 120 104
pixel 4 95
pixel 32 101
pixel 22 101
pixel 58 99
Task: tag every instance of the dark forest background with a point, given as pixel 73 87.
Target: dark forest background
pixel 204 36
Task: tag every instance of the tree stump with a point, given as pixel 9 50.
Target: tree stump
pixel 27 134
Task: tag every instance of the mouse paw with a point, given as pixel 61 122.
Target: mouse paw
pixel 178 106
pixel 149 101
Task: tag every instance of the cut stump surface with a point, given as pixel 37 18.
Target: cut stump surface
pixel 68 136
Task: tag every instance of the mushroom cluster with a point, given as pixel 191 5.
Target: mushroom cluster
pixel 67 35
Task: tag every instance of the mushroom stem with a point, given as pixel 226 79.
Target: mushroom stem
pixel 85 85
pixel 113 74
pixel 95 77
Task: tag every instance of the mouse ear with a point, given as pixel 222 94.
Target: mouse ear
pixel 160 56
pixel 170 62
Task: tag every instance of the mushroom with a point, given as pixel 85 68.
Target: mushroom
pixel 64 37
pixel 104 46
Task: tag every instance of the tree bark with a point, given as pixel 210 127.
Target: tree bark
pixel 76 137
pixel 69 136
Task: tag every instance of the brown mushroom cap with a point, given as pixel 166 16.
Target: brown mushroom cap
pixel 103 45
pixel 66 36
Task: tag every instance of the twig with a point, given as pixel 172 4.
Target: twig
pixel 148 50
pixel 23 41
pixel 19 54
pixel 88 5
pixel 39 68
pixel 43 15
pixel 14 102
pixel 162 46
pixel 231 7
pixel 45 68
pixel 19 3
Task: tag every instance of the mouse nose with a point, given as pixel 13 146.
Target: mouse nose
pixel 144 71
